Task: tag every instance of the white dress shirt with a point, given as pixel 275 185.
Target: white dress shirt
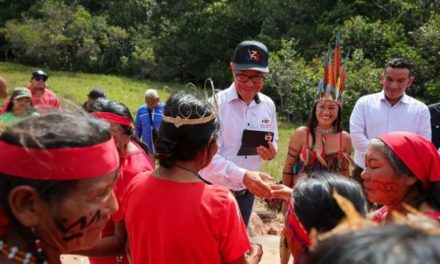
pixel 373 116
pixel 227 169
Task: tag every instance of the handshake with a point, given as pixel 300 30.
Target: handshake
pixel 262 185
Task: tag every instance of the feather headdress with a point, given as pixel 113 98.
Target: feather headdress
pixel 333 83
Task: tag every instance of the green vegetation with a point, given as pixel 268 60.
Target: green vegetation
pixel 191 40
pixel 73 87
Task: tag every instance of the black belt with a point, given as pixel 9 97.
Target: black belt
pixel 239 193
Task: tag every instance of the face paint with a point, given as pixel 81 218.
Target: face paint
pixel 381 183
pixel 76 222
pixel 75 230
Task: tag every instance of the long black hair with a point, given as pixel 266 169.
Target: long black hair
pixel 312 123
pixel 314 203
pixel 388 244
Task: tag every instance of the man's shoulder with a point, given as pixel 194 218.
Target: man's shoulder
pixel 265 98
pixel 373 96
pixel 434 108
pixel 50 93
pixel 142 108
pixel 417 102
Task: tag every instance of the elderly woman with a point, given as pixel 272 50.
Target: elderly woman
pixel 134 160
pixel 402 168
pixel 54 203
pixel 172 214
pixel 18 107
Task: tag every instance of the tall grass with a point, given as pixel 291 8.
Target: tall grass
pixel 73 87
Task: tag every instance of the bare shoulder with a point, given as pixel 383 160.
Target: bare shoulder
pixel 301 131
pixel 346 135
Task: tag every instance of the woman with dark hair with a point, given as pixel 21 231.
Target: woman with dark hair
pixel 388 244
pixel 172 214
pixel 134 160
pixel 312 206
pixel 402 168
pixel 320 145
pixel 18 107
pixel 50 202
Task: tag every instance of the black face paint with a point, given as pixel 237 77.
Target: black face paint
pixel 81 223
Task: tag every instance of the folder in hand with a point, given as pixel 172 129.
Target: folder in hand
pixel 251 139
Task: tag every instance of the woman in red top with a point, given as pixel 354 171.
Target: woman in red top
pixel 402 168
pixel 172 215
pixel 54 203
pixel 134 160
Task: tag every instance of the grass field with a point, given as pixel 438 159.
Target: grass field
pixel 73 88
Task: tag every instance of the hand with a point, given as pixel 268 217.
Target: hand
pixel 255 253
pixel 253 180
pixel 281 191
pixel 267 153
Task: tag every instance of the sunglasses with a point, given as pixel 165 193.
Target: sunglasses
pixel 40 78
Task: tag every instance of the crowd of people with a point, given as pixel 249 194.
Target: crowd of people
pixel 177 183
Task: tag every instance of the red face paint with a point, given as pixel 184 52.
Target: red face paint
pixel 381 183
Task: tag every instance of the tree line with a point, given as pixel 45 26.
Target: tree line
pixel 191 40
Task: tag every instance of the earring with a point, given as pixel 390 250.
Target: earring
pixel 40 256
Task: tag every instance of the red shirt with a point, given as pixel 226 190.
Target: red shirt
pixel 47 101
pixel 132 163
pixel 173 222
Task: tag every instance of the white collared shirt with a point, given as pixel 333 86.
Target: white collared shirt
pixel 235 115
pixel 373 116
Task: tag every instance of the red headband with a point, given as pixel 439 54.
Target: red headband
pixel 418 154
pixel 295 225
pixel 113 118
pixel 58 164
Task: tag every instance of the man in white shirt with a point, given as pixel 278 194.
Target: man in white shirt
pixel 389 110
pixel 240 107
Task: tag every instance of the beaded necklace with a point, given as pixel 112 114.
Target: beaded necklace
pixel 325 131
pixel 13 253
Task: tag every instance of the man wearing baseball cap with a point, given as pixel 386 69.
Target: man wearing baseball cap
pixel 92 96
pixel 43 99
pixel 242 107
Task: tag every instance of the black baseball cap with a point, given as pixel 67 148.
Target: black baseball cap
pixel 251 55
pixel 96 93
pixel 39 73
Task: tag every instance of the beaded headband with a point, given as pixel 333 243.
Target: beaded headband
pixel 333 84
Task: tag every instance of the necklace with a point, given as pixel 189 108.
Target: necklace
pixel 325 131
pixel 193 173
pixel 13 253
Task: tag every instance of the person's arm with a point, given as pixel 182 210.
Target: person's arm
pixel 293 151
pixel 425 129
pixel 358 126
pixel 254 256
pixel 224 172
pixel 345 166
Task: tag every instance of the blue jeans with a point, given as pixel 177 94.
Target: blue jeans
pixel 245 201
